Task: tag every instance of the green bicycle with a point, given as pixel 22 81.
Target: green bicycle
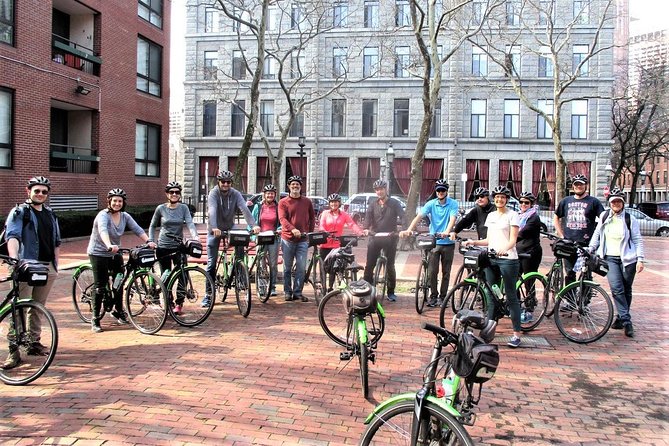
pixel 233 272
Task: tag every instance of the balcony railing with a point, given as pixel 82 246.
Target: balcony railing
pixel 73 159
pixel 73 55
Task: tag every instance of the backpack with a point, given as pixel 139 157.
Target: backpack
pixel 26 219
pixel 628 222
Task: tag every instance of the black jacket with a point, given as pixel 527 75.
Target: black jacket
pixel 476 215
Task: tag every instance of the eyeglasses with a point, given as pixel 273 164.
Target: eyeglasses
pixel 525 202
pixel 41 191
pixel 442 190
pixel 226 182
pixel 481 196
pixel 174 192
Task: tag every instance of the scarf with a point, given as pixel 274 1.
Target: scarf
pixel 524 216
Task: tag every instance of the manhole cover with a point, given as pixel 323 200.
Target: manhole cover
pixel 526 341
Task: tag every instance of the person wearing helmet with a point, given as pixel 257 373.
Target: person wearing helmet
pixel 503 225
pixel 33 233
pixel 617 239
pixel 442 212
pixel 297 217
pixel 476 215
pixel 223 203
pixel 103 245
pixel 575 219
pixel 529 242
pixel 382 215
pixel 333 221
pixel 266 213
pixel 171 218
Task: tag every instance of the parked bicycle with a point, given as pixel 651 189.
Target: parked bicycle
pixel 464 271
pixel 555 276
pixel 259 268
pixel 437 413
pixel 28 359
pixel 381 267
pixel 315 273
pixel 233 272
pixel 426 243
pixel 145 294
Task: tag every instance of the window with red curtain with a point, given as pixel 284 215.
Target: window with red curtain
pixel 208 166
pixel 338 176
pixel 369 170
pixel 401 179
pixel 575 168
pixel 511 175
pixel 543 183
pixel 477 176
pixel 432 171
pixel 232 166
pixel 263 173
pixel 293 167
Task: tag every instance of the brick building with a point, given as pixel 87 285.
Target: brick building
pixel 84 99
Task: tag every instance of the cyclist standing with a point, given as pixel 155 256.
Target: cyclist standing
pixel 476 215
pixel 103 246
pixel 442 212
pixel 382 216
pixel 529 241
pixel 266 214
pixel 223 203
pixel 171 217
pixel 297 217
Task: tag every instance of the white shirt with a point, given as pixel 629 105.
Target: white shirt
pixel 499 231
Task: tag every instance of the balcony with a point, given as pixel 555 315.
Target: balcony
pixel 79 57
pixel 72 159
pixel 75 31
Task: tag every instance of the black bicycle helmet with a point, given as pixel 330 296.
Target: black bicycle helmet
pixel 269 188
pixel 172 185
pixel 334 197
pixel 224 175
pixel 616 193
pixel 578 178
pixel 39 181
pixel 117 192
pixel 528 196
pixel 501 190
pixel 481 192
pixel 441 184
pixel 380 184
pixel 295 178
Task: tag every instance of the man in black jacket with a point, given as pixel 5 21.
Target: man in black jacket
pixel 476 215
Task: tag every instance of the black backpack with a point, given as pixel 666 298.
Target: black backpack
pixel 26 219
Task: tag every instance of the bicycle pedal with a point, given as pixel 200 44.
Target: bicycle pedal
pixel 374 331
pixel 372 357
pixel 345 356
pixel 468 418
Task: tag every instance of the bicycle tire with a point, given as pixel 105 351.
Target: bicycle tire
pixel 363 358
pixel 422 290
pixel 393 427
pixel 262 276
pixel 459 298
pixel 335 321
pixel 82 290
pixel 31 366
pixel 555 283
pixel 190 296
pixel 380 278
pixel 242 288
pixel 583 314
pixel 146 302
pixel 221 277
pixel 317 279
pixel 531 290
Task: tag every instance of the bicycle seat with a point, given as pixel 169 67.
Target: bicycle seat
pixel 355 267
pixel 472 318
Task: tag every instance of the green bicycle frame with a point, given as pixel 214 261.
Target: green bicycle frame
pixel 361 329
pixel 445 403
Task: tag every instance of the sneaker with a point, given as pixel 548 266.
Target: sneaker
pixel 629 329
pixel 12 361
pixel 434 302
pixel 526 317
pixel 95 327
pixel 206 302
pixel 288 297
pixel 177 309
pixel 392 297
pixel 272 293
pixel 617 323
pixel 301 297
pixel 37 349
pixel 514 342
pixel 120 317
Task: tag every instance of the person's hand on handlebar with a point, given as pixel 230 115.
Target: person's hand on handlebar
pixel 113 248
pixel 151 245
pixel 256 229
pixel 296 233
pixel 216 232
pixel 365 232
pixel 406 233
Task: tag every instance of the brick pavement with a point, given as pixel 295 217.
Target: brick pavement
pixel 275 379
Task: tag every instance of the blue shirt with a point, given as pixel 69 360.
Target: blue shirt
pixel 440 215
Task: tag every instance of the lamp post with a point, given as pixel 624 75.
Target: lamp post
pixel 609 176
pixel 390 156
pixel 643 174
pixel 301 141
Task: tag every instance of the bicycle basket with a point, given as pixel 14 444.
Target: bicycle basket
pixel 266 238
pixel 426 242
pixel 193 248
pixel 476 258
pixel 142 257
pixel 564 249
pixel 598 265
pixel 317 238
pixel 360 297
pixel 239 238
pixel 33 272
pixel 474 360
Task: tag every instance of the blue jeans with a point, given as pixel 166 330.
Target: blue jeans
pixel 212 254
pixel 509 269
pixel 294 251
pixel 621 279
pixel 273 251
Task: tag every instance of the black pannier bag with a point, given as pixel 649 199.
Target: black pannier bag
pixel 32 272
pixel 193 248
pixel 475 360
pixel 598 265
pixel 476 258
pixel 317 238
pixel 564 249
pixel 142 256
pixel 239 238
pixel 265 238
pixel 360 297
pixel 426 242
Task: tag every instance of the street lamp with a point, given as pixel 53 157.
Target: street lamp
pixel 390 156
pixel 301 141
pixel 643 174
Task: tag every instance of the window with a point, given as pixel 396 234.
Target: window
pixel 149 10
pixel 511 118
pixel 478 11
pixel 238 68
pixel 546 11
pixel 147 150
pixel 580 55
pixel 271 19
pixel 402 61
pixel 370 61
pixel 512 59
pixel 210 65
pixel 582 11
pixel 209 118
pixel 297 63
pixel 435 128
pixel 544 130
pixel 340 15
pixel 513 12
pixel 371 14
pixel 479 62
pixel 237 118
pixel 211 20
pixel 478 118
pixel 6 127
pixel 267 117
pixel 295 16
pixel 339 62
pixel 149 66
pixel 401 117
pixel 579 119
pixel 338 126
pixel 545 62
pixel 402 13
pixel 268 68
pixel 370 110
pixel 297 129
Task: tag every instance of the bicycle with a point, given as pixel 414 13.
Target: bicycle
pixel 460 275
pixel 555 276
pixel 259 267
pixel 353 317
pixel 315 273
pixel 437 413
pixel 145 293
pixel 380 268
pixel 234 273
pixel 33 361
pixel 425 242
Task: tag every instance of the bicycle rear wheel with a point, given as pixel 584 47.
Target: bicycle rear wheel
pixel 242 288
pixel 317 279
pixel 82 290
pixel 334 320
pixel 262 276
pixel 555 283
pixel 531 291
pixel 363 358
pixel 393 427
pixel 187 287
pixel 380 278
pixel 146 302
pixel 459 298
pixel 422 290
pixel 31 357
pixel 583 314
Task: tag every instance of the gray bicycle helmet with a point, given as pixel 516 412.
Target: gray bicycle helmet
pixel 117 192
pixel 39 181
pixel 224 175
pixel 269 188
pixel 481 192
pixel 172 185
pixel 441 184
pixel 528 195
pixel 616 194
pixel 380 184
pixel 578 178
pixel 501 190
pixel 295 178
pixel 334 197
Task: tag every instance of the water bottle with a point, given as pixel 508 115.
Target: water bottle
pixel 118 281
pixel 497 291
pixel 445 388
pixel 165 275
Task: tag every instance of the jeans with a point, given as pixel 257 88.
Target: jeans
pixel 509 269
pixel 273 251
pixel 440 255
pixel 621 279
pixel 212 255
pixel 38 294
pixel 389 244
pixel 297 252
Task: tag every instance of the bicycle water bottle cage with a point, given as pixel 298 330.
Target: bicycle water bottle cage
pixel 360 297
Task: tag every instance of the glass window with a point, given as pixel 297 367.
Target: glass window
pixel 338 127
pixel 147 150
pixel 370 61
pixel 209 118
pixel 513 12
pixel 268 68
pixel 297 63
pixel 402 13
pixel 479 61
pixel 210 65
pixel 237 118
pixel 371 14
pixel 402 61
pixel 511 118
pixel 211 20
pixel 580 55
pixel 435 128
pixel 579 119
pixel 401 117
pixel 478 11
pixel 272 19
pixel 339 62
pixel 370 110
pixel 545 62
pixel 513 57
pixel 6 127
pixel 149 10
pixel 478 118
pixel 582 11
pixel 267 117
pixel 238 68
pixel 544 130
pixel 340 15
pixel 297 129
pixel 149 66
pixel 7 21
pixel 546 11
pixel 295 16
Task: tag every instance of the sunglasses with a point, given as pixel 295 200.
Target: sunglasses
pixel 441 190
pixel 174 192
pixel 226 182
pixel 525 202
pixel 41 191
pixel 481 196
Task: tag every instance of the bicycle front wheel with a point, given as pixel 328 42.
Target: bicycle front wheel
pixel 363 357
pixel 335 320
pixel 262 276
pixel 393 427
pixel 146 302
pixel 82 291
pixel 242 288
pixel 583 314
pixel 460 298
pixel 555 283
pixel 187 287
pixel 531 292
pixel 29 355
pixel 380 278
pixel 422 288
pixel 317 279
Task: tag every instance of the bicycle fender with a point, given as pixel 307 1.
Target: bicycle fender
pixel 361 327
pixel 576 284
pixel 77 271
pixel 380 310
pixel 409 397
pixel 533 274
pixel 8 306
pixel 469 280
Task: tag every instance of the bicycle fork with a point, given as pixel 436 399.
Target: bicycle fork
pixel 361 334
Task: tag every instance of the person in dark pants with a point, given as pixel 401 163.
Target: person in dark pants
pixel 529 242
pixel 382 216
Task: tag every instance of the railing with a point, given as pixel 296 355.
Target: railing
pixel 71 54
pixel 73 159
